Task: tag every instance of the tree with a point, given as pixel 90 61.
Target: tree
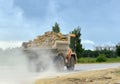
pixel 90 53
pixel 56 28
pixel 118 50
pixel 77 42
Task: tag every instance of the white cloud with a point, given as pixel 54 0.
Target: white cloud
pixel 87 42
pixel 10 44
pixel 10 14
pixel 12 24
pixel 15 26
pixel 12 21
pixel 108 44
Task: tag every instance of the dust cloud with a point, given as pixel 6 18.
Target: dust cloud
pixel 12 65
pixel 15 66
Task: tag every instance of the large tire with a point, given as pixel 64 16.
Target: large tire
pixel 40 67
pixel 59 63
pixel 35 65
pixel 32 65
pixel 71 64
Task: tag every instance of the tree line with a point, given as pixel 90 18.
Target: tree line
pixel 87 53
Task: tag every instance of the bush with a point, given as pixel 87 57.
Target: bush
pixel 101 58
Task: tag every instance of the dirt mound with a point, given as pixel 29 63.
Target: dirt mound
pixel 46 40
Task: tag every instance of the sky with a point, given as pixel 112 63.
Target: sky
pixel 23 20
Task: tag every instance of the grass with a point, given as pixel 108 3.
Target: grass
pixel 93 60
pixel 87 60
pixel 112 60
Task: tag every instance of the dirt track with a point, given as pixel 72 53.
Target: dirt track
pixel 108 76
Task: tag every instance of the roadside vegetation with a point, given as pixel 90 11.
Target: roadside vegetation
pixel 93 60
pixel 90 56
pixel 100 56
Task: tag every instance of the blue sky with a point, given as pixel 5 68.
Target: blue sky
pixel 22 20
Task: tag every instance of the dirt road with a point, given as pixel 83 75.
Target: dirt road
pixel 88 67
pixel 86 74
pixel 107 76
pixel 19 75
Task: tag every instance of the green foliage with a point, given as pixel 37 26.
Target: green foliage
pixel 108 53
pixel 77 42
pixel 87 60
pixel 118 50
pixel 56 28
pixel 90 53
pixel 101 58
pixel 93 60
pixel 95 53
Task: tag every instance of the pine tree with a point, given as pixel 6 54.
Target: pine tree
pixel 56 28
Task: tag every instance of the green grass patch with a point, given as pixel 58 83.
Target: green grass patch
pixel 112 60
pixel 87 60
pixel 94 60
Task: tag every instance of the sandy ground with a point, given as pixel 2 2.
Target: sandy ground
pixel 107 76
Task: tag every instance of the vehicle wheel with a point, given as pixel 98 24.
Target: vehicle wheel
pixel 59 63
pixel 39 67
pixel 71 64
pixel 32 65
